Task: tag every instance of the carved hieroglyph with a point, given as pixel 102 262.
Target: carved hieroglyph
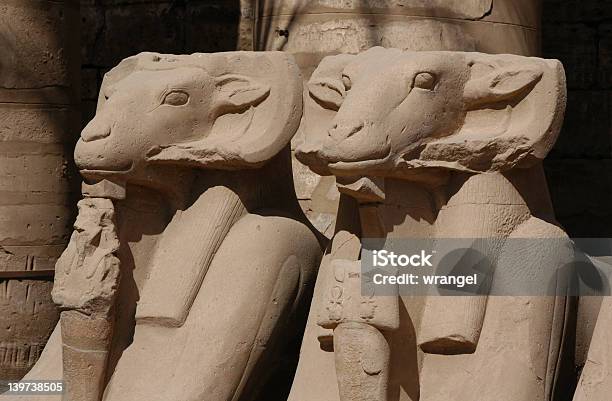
pixel 39 122
pixel 217 261
pixel 433 145
pixel 314 29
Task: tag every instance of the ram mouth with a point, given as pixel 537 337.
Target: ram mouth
pixel 347 168
pixel 95 173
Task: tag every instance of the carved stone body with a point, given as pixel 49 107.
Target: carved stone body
pixel 437 145
pixel 217 260
pixel 596 378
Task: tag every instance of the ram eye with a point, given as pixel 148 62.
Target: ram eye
pixel 425 80
pixel 176 98
pixel 346 80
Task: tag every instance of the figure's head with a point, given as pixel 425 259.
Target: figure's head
pixel 392 113
pixel 210 111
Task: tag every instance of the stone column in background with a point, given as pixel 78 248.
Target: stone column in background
pixel 313 29
pixel 39 124
pixel 246 28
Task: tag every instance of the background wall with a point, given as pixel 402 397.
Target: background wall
pixel 579 169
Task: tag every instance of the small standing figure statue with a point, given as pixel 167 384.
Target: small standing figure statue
pixel 86 283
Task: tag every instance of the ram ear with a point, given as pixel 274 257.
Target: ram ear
pixel 257 100
pixel 238 92
pixel 325 85
pixel 514 111
pixel 500 84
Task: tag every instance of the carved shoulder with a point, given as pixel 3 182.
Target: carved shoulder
pixel 536 259
pixel 538 228
pixel 270 246
pixel 263 234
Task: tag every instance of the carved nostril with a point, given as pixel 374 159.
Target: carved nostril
pixel 94 132
pixel 355 130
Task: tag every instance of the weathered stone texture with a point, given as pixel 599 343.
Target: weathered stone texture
pixel 31 300
pixel 223 170
pixel 312 29
pixel 38 125
pixel 362 120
